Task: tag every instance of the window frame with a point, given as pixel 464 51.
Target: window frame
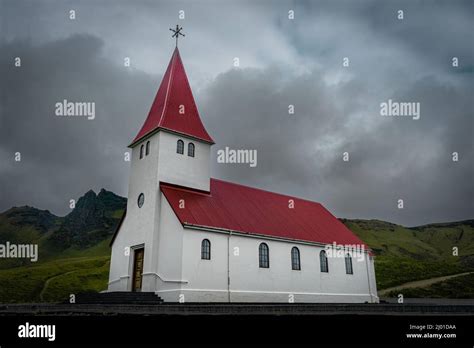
pixel 295 262
pixel 178 144
pixel 141 151
pixel 141 200
pixel 323 262
pixel 263 255
pixel 147 148
pixel 191 146
pixel 348 262
pixel 205 249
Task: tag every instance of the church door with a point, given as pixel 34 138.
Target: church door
pixel 138 269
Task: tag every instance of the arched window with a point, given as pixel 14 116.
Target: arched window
pixel 180 147
pixel 206 249
pixel 141 151
pixel 191 150
pixel 349 264
pixel 323 260
pixel 147 151
pixel 263 256
pixel 295 259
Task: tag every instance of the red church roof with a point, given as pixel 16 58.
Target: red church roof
pixel 249 210
pixel 174 93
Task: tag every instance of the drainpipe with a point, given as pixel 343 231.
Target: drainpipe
pixel 228 266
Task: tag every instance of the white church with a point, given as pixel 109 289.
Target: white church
pixel 188 237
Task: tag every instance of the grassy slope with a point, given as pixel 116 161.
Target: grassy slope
pixel 459 287
pixel 407 254
pixel 22 280
pixel 82 280
pixel 24 284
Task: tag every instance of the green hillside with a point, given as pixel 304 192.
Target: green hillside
pixel 74 252
pixel 459 287
pixel 405 254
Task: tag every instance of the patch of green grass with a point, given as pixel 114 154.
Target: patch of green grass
pixel 392 240
pixel 458 287
pixel 408 254
pixel 83 280
pixel 100 249
pixel 24 284
pixel 392 271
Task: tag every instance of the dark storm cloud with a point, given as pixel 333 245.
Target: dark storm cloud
pixel 390 159
pixel 282 62
pixel 63 157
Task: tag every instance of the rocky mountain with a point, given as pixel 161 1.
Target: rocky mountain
pixel 92 221
pixel 41 220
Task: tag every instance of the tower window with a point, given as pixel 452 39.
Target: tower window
pixel 147 151
pixel 295 259
pixel 323 260
pixel 191 150
pixel 180 147
pixel 141 151
pixel 205 249
pixel 263 256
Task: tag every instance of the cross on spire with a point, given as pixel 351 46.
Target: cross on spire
pixel 177 33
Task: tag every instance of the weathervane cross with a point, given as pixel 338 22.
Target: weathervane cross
pixel 176 33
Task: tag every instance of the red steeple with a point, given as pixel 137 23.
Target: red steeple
pixel 173 96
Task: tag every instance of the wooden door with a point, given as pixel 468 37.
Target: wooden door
pixel 138 269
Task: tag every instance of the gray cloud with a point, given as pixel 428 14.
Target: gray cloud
pixel 283 62
pixel 64 157
pixel 390 159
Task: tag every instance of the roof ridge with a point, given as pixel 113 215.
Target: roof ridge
pixel 170 79
pixel 193 101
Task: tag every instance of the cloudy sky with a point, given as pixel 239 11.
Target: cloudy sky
pixel 282 61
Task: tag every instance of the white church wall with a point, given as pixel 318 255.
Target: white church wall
pixel 168 277
pixel 207 279
pixel 138 227
pixel 182 169
pixel 279 283
pixel 373 283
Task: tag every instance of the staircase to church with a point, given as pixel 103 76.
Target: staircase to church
pixel 119 297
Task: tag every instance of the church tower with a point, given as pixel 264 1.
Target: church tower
pixel 175 133
pixel 171 147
